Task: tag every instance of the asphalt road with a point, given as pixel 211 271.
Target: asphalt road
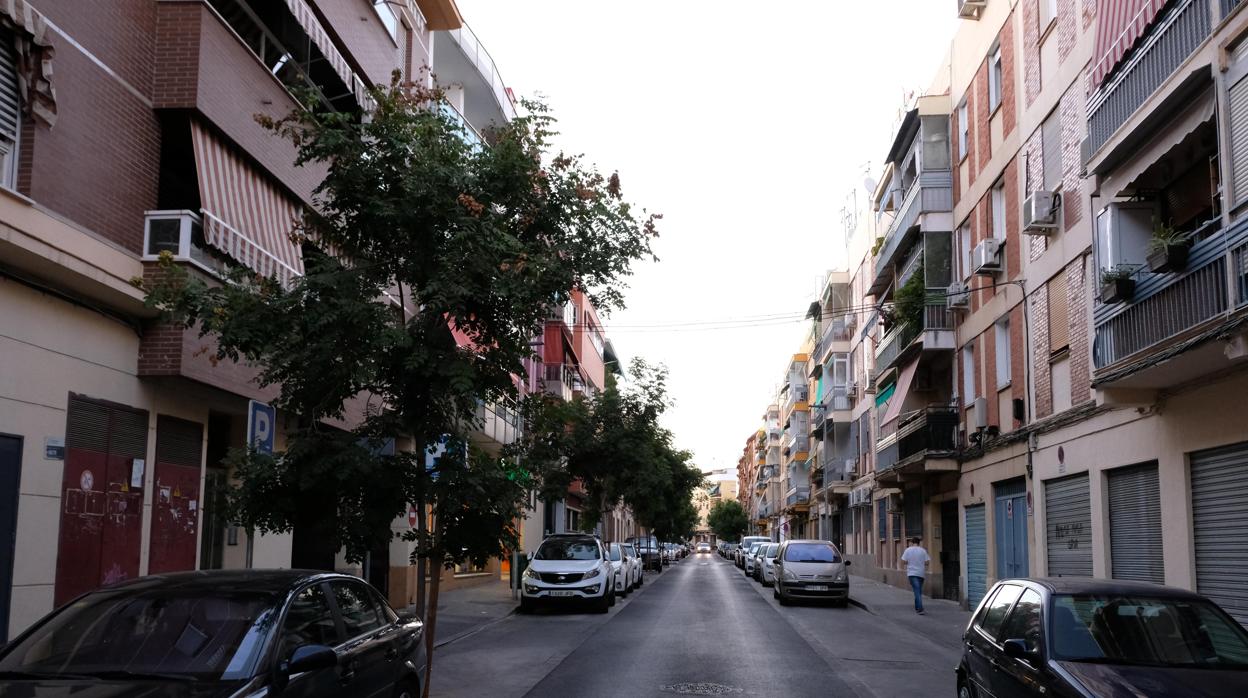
pixel 699 628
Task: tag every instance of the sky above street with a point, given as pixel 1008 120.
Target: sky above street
pixel 747 125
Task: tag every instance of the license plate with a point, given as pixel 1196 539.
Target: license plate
pixel 560 593
pixel 816 587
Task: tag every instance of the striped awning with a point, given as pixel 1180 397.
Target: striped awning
pixel 1119 23
pixel 312 26
pixel 246 215
pixel 34 58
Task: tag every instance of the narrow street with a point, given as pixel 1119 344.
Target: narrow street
pixel 702 628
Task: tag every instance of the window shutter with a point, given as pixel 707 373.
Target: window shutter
pixel 1059 313
pixel 1051 151
pixel 10 102
pixel 1237 97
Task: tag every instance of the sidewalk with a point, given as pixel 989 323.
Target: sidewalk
pixel 943 623
pixel 464 611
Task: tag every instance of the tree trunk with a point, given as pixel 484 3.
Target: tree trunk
pixel 421 564
pixel 431 624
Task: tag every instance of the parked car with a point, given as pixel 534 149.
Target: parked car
pixel 766 574
pixel 729 550
pixel 704 548
pixel 221 633
pixel 1100 637
pixel 748 559
pixel 635 575
pixel 621 569
pixel 568 567
pixel 649 551
pixel 810 569
pixel 740 549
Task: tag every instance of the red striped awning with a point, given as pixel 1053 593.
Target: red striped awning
pixel 246 215
pixel 1119 23
pixel 307 19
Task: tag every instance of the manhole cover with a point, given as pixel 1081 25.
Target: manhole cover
pixel 700 689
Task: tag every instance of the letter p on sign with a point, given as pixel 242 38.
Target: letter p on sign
pixel 261 421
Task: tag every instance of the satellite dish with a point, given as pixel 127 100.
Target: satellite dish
pixel 869 183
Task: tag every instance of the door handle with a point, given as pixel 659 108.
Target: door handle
pixel 348 672
pixel 392 653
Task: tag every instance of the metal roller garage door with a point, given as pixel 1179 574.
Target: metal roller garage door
pixel 1220 527
pixel 1135 524
pixel 1068 526
pixel 976 555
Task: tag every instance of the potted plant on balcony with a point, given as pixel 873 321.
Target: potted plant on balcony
pixel 1168 249
pixel 1117 286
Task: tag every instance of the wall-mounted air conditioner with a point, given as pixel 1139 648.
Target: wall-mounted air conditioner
pixel 971 9
pixel 986 257
pixel 852 391
pixel 1040 213
pixel 958 295
pixel 979 413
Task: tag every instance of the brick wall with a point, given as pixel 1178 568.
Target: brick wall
pixel 1031 51
pixel 1013 223
pixel 1041 374
pixel 982 133
pixel 1018 356
pixel 1009 99
pixel 1034 157
pixel 955 134
pixel 1077 298
pixel 176 81
pixel 1067 27
pixel 117 32
pixel 1073 126
pixel 368 43
pixel 1089 13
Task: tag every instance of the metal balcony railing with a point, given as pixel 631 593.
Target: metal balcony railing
pixel 936 316
pixel 1166 305
pixel 499 422
pixel 1175 34
pixel 560 379
pixel 932 192
pixel 797 495
pixel 467 132
pixel 836 329
pixel 924 431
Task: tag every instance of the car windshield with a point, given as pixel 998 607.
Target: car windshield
pixel 570 549
pixel 811 552
pixel 616 556
pixel 1150 631
pixel 772 550
pixel 200 635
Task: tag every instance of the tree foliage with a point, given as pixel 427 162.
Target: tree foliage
pixel 728 519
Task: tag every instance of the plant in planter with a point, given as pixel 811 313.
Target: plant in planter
pixel 1168 249
pixel 1117 286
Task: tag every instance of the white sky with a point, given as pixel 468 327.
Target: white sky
pixel 746 125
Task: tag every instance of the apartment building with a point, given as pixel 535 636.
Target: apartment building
pixel 833 458
pixel 131 131
pixel 793 479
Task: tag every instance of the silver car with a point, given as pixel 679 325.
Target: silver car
pixel 765 569
pixel 739 552
pixel 748 558
pixel 810 569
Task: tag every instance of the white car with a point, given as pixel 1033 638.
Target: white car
pixel 767 568
pixel 704 548
pixel 621 569
pixel 636 575
pixel 739 553
pixel 568 568
pixel 748 558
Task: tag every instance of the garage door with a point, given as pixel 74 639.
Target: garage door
pixel 1220 527
pixel 976 555
pixel 1135 524
pixel 1068 526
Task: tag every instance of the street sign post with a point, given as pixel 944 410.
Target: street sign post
pixel 261 420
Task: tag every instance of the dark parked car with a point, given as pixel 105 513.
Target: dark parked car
pixel 649 551
pixel 220 633
pixel 1103 638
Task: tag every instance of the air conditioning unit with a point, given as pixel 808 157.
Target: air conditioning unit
pixel 852 391
pixel 971 9
pixel 986 257
pixel 958 295
pixel 1040 213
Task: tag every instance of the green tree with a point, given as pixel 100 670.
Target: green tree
pixel 728 519
pixel 446 259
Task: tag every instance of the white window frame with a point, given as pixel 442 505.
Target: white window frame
pixel 968 374
pixel 964 248
pixel 964 130
pixel 1048 14
pixel 187 250
pixel 997 203
pixel 389 20
pixel 1002 337
pixel 995 78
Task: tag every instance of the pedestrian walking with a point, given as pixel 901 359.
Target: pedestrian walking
pixel 916 559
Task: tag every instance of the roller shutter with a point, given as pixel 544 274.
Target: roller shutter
pixel 1220 527
pixel 976 555
pixel 1068 526
pixel 1135 524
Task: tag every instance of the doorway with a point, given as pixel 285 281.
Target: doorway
pixel 10 478
pixel 1011 528
pixel 950 561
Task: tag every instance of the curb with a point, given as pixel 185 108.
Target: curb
pixel 862 605
pixel 473 631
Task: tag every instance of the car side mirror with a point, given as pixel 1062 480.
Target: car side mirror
pixel 848 563
pixel 1017 649
pixel 310 658
pixel 408 615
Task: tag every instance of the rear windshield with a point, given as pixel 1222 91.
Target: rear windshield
pixel 811 552
pixel 574 549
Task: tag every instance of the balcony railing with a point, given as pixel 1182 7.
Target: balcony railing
pixel 466 131
pixel 499 422
pixel 1173 37
pixel 935 317
pixel 795 394
pixel 797 496
pixel 795 443
pixel 929 430
pixel 1166 305
pixel 933 192
pixel 561 380
pixel 837 329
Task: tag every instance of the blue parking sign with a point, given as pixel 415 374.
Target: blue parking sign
pixel 261 425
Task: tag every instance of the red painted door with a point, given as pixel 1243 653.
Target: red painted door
pixel 175 495
pixel 101 499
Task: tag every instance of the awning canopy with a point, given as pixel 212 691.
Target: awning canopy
pixel 246 216
pixel 1119 23
pixel 34 58
pixel 903 387
pixel 1177 129
pixel 312 26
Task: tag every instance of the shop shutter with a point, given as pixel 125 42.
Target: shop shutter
pixel 976 555
pixel 1135 524
pixel 1068 526
pixel 1220 527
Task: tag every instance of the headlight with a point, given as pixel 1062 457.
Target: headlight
pixel 591 590
pixel 790 576
pixel 529 574
pixel 842 576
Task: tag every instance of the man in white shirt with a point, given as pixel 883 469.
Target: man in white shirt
pixel 916 559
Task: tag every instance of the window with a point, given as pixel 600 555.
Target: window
pixel 10 108
pixel 1142 630
pixel 964 130
pixel 181 234
pixel 576 548
pixel 998 210
pixel 1051 151
pixel 964 248
pixel 1048 13
pixel 1000 606
pixel 388 20
pixel 968 374
pixel 994 79
pixel 1059 313
pixel 810 552
pixel 1002 331
pixel 355 605
pixel 1024 623
pixel 308 622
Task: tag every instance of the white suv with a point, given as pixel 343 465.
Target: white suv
pixel 568 568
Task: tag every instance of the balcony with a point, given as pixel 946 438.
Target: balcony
pixel 797 496
pixel 936 333
pixel 764 509
pixel 498 425
pixel 795 397
pixel 1161 337
pixel 467 132
pixel 794 443
pixel 932 193
pixel 837 329
pixel 561 380
pixel 1176 33
pixel 924 434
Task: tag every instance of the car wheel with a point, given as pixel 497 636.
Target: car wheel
pixel 964 689
pixel 603 604
pixel 775 591
pixel 611 597
pixel 409 688
pixel 526 605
